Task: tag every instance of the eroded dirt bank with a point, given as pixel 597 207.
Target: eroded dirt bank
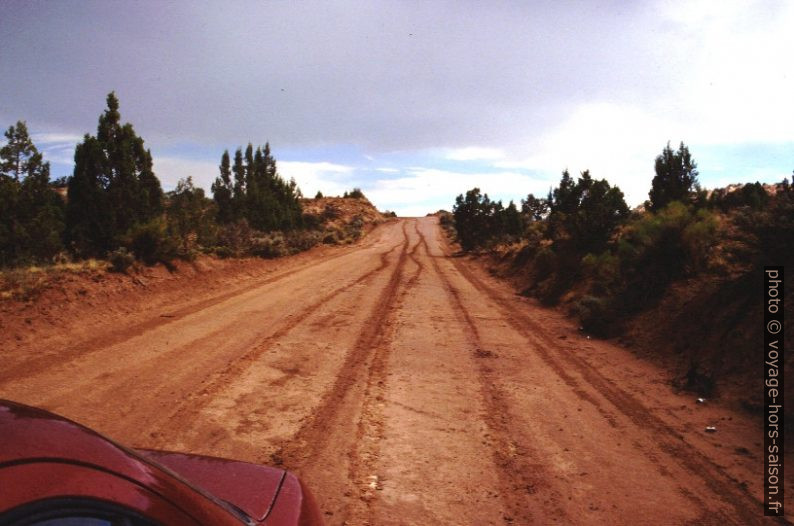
pixel 405 385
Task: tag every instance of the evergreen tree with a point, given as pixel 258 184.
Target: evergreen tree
pixel 258 195
pixel 113 187
pixel 257 191
pixel 566 196
pixel 88 212
pixel 512 224
pixel 238 197
pixel 534 208
pixel 472 219
pixel 676 176
pixel 19 155
pixel 42 212
pixel 31 213
pixel 584 213
pixel 222 190
pixel 189 214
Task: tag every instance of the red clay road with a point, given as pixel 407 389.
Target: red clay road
pixel 406 386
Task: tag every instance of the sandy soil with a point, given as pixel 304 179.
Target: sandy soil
pixel 404 384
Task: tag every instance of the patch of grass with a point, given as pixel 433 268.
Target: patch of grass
pixel 26 283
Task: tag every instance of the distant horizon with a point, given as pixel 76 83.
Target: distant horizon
pixel 414 103
pixel 303 171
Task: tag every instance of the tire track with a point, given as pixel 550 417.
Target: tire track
pixel 310 441
pixel 417 261
pixel 370 426
pixel 189 407
pixel 34 365
pixel 746 508
pixel 518 476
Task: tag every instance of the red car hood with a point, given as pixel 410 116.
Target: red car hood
pixel 28 434
pixel 249 487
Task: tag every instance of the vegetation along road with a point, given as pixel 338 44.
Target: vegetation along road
pixel 406 386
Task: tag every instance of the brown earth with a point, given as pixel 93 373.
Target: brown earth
pixel 405 385
pixel 341 210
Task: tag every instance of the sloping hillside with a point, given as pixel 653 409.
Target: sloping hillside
pixel 343 219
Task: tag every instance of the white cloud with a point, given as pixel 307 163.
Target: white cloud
pixel 425 190
pixel 473 153
pixel 733 85
pixel 328 178
pixel 57 148
pixel 388 170
pixel 171 169
pixel 56 138
pixel 615 142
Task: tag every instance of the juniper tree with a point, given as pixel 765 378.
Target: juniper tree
pixel 258 194
pixel 31 212
pixel 113 187
pixel 19 155
pixel 585 212
pixel 238 195
pixel 222 190
pixel 676 176
pixel 534 208
pixel 188 214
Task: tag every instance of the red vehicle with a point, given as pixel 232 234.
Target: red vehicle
pixel 55 472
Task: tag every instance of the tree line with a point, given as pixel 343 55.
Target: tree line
pixel 115 206
pixel 583 234
pixel 582 211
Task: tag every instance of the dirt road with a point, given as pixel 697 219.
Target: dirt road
pixel 406 387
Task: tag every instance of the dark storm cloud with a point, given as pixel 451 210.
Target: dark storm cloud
pixel 381 75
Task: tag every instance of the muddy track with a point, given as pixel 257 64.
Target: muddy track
pixel 196 402
pixel 310 438
pixel 125 333
pixel 370 426
pixel 518 465
pixel 744 506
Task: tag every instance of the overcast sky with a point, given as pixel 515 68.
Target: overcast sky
pixel 414 102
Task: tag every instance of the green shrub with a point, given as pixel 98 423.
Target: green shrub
pixel 331 212
pixel 234 239
pixel 698 238
pixel 770 232
pixel 549 290
pixel 751 195
pixel 272 245
pixel 312 221
pixel 120 259
pixel 331 237
pixel 597 315
pixel 603 270
pixel 655 249
pixel 353 230
pixel 545 263
pixel 299 241
pixel 151 243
